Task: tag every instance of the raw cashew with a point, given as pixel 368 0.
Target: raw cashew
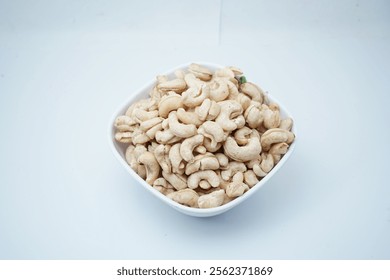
pixel 151 165
pixel 169 103
pixel 253 116
pixel 271 118
pixel 241 135
pixel 176 159
pixel 166 137
pixel 222 159
pixel 242 153
pixel 188 117
pixel 286 124
pixel 275 135
pixel 253 91
pixel 219 90
pixel 132 154
pixel 186 196
pixel 208 110
pixel 213 199
pixel 179 129
pixel 229 110
pixel 125 123
pixel 212 131
pixel 123 137
pixel 267 162
pixel 250 178
pixel 237 187
pixel 163 186
pixel 202 162
pixel 176 85
pixel 200 72
pixel 161 154
pixel 209 175
pixel 232 168
pixel 141 115
pixel 188 145
pixel 194 96
pixel 177 181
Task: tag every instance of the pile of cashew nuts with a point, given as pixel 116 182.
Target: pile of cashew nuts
pixel 204 138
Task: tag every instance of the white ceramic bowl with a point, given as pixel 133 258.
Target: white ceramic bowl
pixel 119 152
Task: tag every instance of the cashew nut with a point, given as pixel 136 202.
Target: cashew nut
pixel 212 131
pixel 169 103
pixel 186 196
pixel 208 175
pixel 237 187
pixel 179 129
pixel 275 135
pixel 188 145
pixel 229 110
pixel 210 200
pixel 242 153
pixel 151 165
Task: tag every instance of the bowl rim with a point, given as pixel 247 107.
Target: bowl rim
pixel 141 93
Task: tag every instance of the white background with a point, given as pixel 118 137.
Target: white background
pixel 65 67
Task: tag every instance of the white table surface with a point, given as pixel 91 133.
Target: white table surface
pixel 65 67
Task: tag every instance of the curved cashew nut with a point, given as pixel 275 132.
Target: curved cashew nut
pixel 176 85
pixel 244 100
pixel 232 168
pixel 225 72
pixel 169 103
pixel 139 137
pixel 207 175
pixel 166 137
pixel 131 155
pixel 241 135
pixel 179 129
pixel 186 196
pixel 275 135
pixel 242 153
pixel 208 110
pixel 236 71
pixel 267 162
pixel 222 159
pixel 250 178
pixel 161 154
pixel 188 117
pixel 124 137
pixel 253 116
pixel 194 96
pixel 212 131
pixel 237 187
pixel 146 125
pixel 188 145
pixel 125 123
pixel 141 115
pixel 229 110
pixel 178 181
pixel 271 118
pixel 151 165
pixel 219 89
pixel 163 186
pixel 286 124
pixel 176 159
pixel 202 162
pixel 213 199
pixel 200 72
pixel 253 91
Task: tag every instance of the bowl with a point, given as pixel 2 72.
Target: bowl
pixel 119 151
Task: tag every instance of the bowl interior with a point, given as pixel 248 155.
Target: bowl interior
pixel 120 148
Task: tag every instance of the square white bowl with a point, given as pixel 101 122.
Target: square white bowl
pixel 119 151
